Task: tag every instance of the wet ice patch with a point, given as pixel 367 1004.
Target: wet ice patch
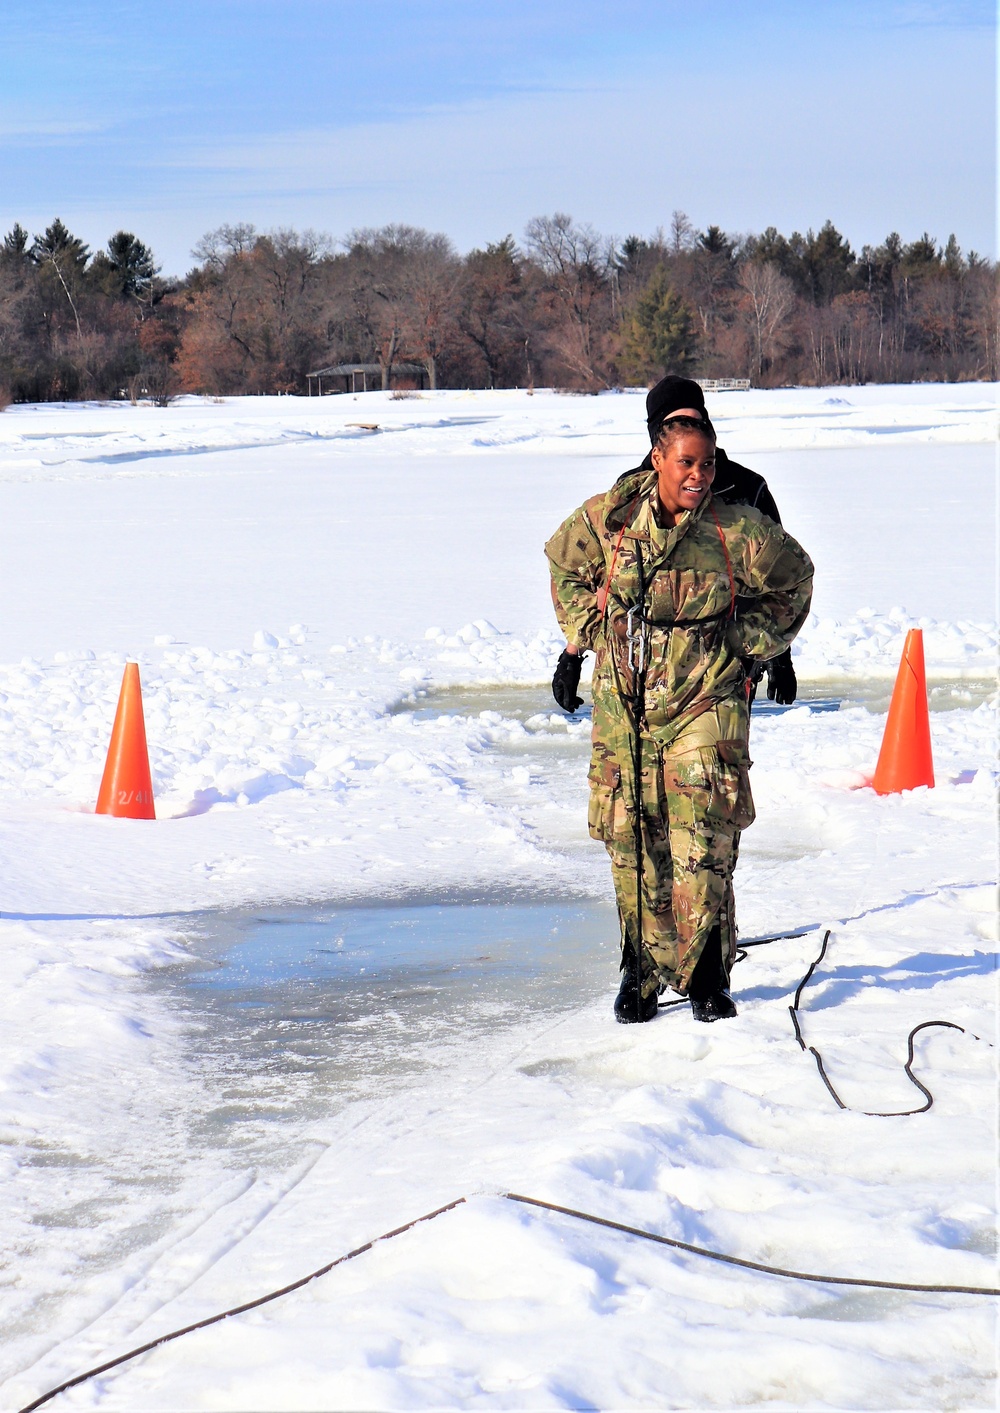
pixel 333 1001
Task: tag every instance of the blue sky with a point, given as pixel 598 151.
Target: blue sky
pixel 469 118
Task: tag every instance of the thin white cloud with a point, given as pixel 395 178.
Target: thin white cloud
pixel 41 130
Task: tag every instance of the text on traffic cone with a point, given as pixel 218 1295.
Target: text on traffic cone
pixel 905 760
pixel 127 788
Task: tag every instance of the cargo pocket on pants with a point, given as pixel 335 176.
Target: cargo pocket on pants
pixel 606 809
pixel 736 804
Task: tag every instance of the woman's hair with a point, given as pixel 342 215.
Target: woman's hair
pixel 673 427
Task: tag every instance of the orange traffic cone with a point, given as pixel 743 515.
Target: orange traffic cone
pixel 127 789
pixel 905 760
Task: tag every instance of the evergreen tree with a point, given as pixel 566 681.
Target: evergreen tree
pixel 771 248
pixel 827 262
pixel 715 242
pixel 953 261
pixel 14 250
pixel 921 257
pixel 62 257
pixel 127 269
pixel 659 335
pixel 60 247
pixel 633 265
pixel 628 260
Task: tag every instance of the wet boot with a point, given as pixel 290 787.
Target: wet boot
pixel 709 985
pixel 630 1005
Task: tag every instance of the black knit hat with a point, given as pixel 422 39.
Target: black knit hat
pixel 669 394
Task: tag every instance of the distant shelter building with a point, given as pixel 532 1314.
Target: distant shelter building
pixel 366 377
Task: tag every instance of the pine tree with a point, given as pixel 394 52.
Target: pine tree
pixel 921 257
pixel 716 242
pixel 127 269
pixel 63 256
pixel 659 335
pixel 60 247
pixel 14 250
pixel 953 261
pixel 827 265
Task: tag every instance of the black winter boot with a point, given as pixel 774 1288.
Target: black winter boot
pixel 718 1006
pixel 630 1006
pixel 709 984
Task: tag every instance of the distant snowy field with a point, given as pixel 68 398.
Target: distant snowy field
pixel 299 592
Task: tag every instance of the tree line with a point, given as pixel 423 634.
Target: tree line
pixel 566 307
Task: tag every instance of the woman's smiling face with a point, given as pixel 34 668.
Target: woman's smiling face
pixel 685 470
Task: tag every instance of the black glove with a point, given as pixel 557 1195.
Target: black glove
pixel 566 679
pixel 781 684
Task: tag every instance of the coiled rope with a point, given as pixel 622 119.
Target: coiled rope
pixel 692 1250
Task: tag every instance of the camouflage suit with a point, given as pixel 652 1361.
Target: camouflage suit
pixel 725 585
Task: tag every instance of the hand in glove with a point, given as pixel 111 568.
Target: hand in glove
pixel 781 684
pixel 566 679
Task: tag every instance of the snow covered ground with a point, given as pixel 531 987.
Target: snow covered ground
pixel 344 637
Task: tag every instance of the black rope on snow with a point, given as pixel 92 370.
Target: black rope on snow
pixel 237 1309
pixel 752 1265
pixel 793 1011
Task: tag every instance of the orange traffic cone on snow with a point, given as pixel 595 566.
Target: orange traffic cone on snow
pixel 127 789
pixel 905 760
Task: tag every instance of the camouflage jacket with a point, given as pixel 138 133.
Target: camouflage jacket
pixel 724 586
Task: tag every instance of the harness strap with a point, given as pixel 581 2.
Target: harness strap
pixel 605 589
pixel 729 563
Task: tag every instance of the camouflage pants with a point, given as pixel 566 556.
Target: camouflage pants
pixel 695 801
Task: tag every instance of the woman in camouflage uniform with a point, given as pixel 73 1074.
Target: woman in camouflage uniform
pixel 708 590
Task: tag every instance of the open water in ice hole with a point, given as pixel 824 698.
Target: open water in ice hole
pixel 298 1011
pixel 529 704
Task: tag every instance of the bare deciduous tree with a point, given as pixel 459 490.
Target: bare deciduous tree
pixel 576 263
pixel 768 304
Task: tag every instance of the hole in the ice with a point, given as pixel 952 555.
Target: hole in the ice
pixel 535 710
pixel 297 1011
